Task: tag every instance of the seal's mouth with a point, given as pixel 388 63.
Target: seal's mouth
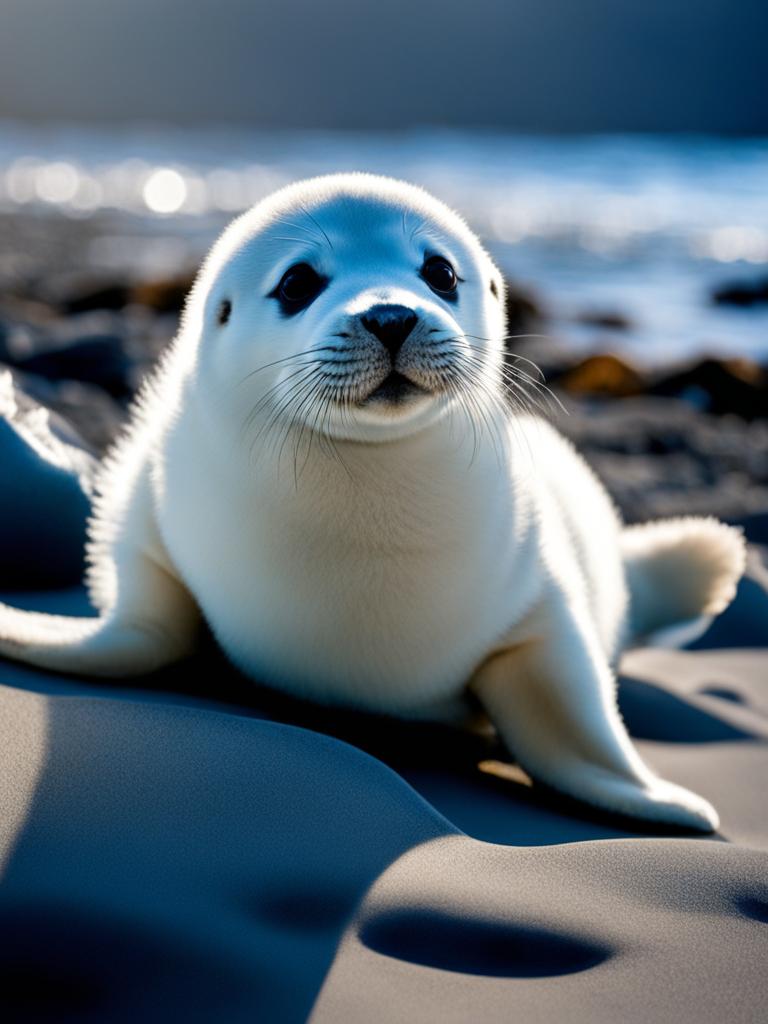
pixel 395 389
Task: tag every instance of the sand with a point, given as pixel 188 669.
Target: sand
pixel 194 847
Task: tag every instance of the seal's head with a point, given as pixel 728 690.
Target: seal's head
pixel 354 306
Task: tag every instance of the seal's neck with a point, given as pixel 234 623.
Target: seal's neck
pixel 448 469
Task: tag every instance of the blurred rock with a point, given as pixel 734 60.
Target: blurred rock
pixel 114 295
pixel 18 340
pixel 84 292
pixel 44 477
pixel 607 375
pixel 550 355
pixel 715 386
pixel 720 386
pixel 166 295
pixel 660 456
pixel 741 293
pixel 95 417
pixel 99 360
pixel 524 309
pixel 610 320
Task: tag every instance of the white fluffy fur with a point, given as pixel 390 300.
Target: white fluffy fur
pixel 388 557
pixel 680 571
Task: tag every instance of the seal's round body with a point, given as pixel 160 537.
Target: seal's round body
pixel 326 468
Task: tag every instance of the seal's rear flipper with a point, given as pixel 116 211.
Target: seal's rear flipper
pixel 153 623
pixel 681 573
pixel 101 646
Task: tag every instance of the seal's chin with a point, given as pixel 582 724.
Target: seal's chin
pixel 394 408
pixel 395 390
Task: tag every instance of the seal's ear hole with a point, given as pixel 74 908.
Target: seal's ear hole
pixel 494 288
pixel 224 312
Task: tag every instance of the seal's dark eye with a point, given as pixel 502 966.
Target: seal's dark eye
pixel 298 287
pixel 440 276
pixel 224 312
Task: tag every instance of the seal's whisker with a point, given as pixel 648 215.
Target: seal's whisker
pixel 323 420
pixel 290 238
pixel 317 394
pixel 470 389
pixel 300 402
pixel 455 393
pixel 294 422
pixel 465 393
pixel 319 227
pixel 310 235
pixel 468 404
pixel 293 394
pixel 516 355
pixel 515 387
pixel 491 397
pixel 503 416
pixel 268 426
pixel 312 433
pixel 421 226
pixel 287 359
pixel 516 379
pixel 513 376
pixel 328 404
pixel 548 394
pixel 265 399
pixel 488 421
pixel 304 371
pixel 298 421
pixel 524 359
pixel 324 396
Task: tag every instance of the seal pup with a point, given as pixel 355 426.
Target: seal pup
pixel 325 468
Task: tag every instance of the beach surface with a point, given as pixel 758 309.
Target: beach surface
pixel 194 846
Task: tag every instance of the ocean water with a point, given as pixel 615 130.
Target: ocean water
pixel 642 226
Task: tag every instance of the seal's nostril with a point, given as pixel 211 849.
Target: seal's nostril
pixel 390 324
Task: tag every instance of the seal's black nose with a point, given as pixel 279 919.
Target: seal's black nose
pixel 390 324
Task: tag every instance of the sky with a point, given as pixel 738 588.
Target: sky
pixel 524 65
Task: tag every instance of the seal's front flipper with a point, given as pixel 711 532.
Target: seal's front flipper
pixel 553 702
pixel 151 625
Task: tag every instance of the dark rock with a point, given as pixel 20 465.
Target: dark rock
pixel 113 296
pixel 551 355
pixel 665 443
pixel 165 295
pixel 19 339
pixel 741 293
pixel 44 508
pixel 610 320
pixel 98 360
pixel 662 457
pixel 720 386
pixel 524 309
pixel 92 413
pixel 604 375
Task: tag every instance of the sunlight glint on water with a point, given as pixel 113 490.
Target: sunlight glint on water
pixel 642 226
